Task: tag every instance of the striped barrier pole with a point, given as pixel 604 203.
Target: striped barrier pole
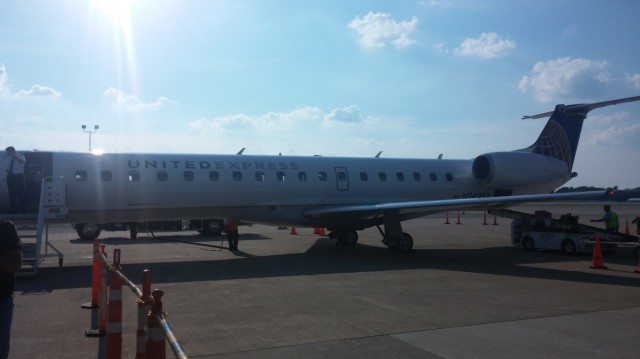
pixel 103 291
pixel 177 349
pixel 144 305
pixel 95 277
pixel 113 341
pixel 102 304
pixel 155 346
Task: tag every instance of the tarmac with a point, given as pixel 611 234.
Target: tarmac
pixel 463 292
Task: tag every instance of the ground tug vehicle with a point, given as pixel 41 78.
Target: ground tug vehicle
pixel 541 231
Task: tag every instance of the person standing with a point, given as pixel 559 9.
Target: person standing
pixel 232 235
pixel 10 263
pixel 610 219
pixel 14 166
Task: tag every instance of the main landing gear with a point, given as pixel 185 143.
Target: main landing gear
pixel 403 243
pixel 393 237
pixel 346 237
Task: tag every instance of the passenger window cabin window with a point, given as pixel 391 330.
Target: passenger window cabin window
pixel 400 176
pixel 162 176
pixel 322 176
pixel 188 176
pixel 237 176
pixel 214 176
pixel 302 176
pixel 280 176
pixel 433 176
pixel 134 176
pixel 449 176
pixel 416 176
pixel 81 176
pixel 382 176
pixel 106 176
pixel 259 176
pixel 364 176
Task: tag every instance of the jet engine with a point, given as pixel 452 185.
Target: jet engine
pixel 518 169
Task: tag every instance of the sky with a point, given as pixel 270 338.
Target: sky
pixel 334 78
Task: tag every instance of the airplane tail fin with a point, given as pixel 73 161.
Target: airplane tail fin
pixel 559 138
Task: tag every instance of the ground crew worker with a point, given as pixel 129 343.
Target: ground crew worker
pixel 232 235
pixel 10 263
pixel 637 222
pixel 14 167
pixel 610 219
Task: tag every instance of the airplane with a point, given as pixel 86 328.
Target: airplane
pixel 342 194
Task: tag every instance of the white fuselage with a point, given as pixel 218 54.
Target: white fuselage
pixel 260 189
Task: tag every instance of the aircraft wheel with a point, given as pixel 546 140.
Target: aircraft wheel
pixel 528 244
pixel 87 231
pixel 568 247
pixel 390 242
pixel 405 243
pixel 350 238
pixel 133 230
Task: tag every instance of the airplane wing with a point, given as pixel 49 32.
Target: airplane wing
pixel 371 214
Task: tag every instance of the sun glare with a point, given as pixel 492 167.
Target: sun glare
pixel 120 14
pixel 117 10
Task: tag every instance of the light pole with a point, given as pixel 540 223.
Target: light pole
pixel 95 129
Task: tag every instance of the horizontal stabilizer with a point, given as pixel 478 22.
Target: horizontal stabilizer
pixel 587 106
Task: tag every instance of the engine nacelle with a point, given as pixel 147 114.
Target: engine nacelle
pixel 517 169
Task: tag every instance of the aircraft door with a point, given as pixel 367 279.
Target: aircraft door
pixel 342 179
pixel 4 192
pixel 38 165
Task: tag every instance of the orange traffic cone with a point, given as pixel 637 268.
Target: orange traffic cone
pixel 322 231
pixel 484 221
pixel 626 227
pixel 113 341
pixel 447 217
pixel 458 222
pixel 293 230
pixel 316 230
pixel 154 344
pixel 95 288
pixel 598 262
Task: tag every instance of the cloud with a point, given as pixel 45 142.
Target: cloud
pixel 436 3
pixel 349 114
pixel 38 91
pixel 130 102
pixel 634 80
pixel 440 49
pixel 376 30
pixel 4 79
pixel 270 121
pixel 615 135
pixel 488 46
pixel 564 76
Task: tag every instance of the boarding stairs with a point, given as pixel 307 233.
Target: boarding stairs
pixel 33 229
